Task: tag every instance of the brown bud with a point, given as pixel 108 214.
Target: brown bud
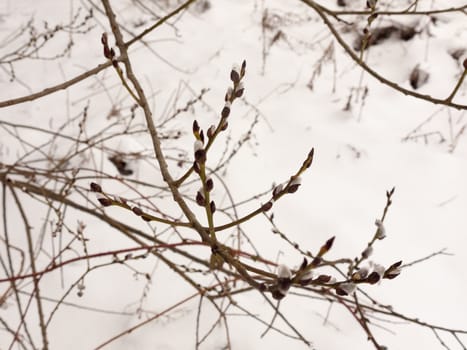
pixel 104 40
pixel 323 279
pixel 195 127
pixel 393 271
pixel 209 184
pixel 104 201
pixel 266 206
pixel 465 63
pixel 145 217
pixel 239 91
pixel 235 74
pixel 224 126
pixel 243 68
pixel 294 184
pixel 276 190
pixel 200 156
pixel 212 205
pixel 373 278
pixel 200 200
pixel 327 246
pixel 341 292
pixel 211 131
pixel 137 211
pixel 201 136
pixel 293 188
pixel 226 110
pixel 107 52
pixel 277 294
pixel 316 261
pixel 309 159
pixel 284 284
pixel 95 187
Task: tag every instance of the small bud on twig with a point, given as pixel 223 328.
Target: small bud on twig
pixel 195 127
pixel 294 185
pixel 327 246
pixel 309 159
pixel 393 271
pixel 200 200
pixel 377 274
pixel 323 279
pixel 145 217
pixel 210 132
pixel 381 230
pixel 346 288
pixel 200 153
pixel 243 69
pixel 209 184
pixel 103 200
pixel 226 110
pixel 266 206
pixel 235 74
pixel 95 187
pixel 239 90
pixel 277 190
pixel 137 211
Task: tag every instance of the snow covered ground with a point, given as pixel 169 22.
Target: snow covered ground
pixel 366 138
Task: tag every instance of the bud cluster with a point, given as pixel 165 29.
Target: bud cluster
pixel 373 273
pixel 109 52
pixel 236 75
pixel 103 199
